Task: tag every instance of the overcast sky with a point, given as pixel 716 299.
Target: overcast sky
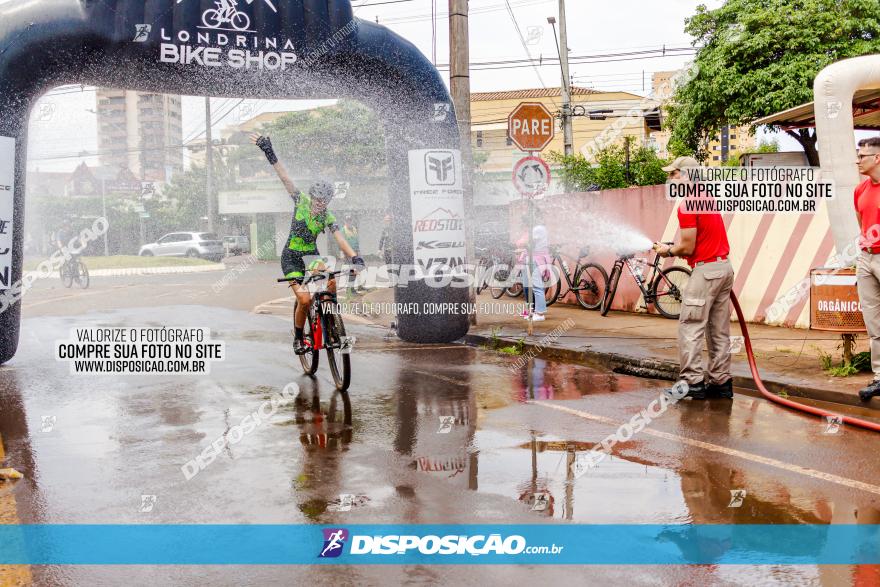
pixel 594 29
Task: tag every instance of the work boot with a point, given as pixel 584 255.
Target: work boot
pixel 873 390
pixel 722 390
pixel 299 346
pixel 695 391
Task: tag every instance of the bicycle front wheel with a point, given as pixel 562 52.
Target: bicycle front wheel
pixel 499 275
pixel 552 286
pixel 82 276
pixel 668 290
pixel 608 298
pixel 66 273
pixel 338 361
pixel 309 360
pixel 591 282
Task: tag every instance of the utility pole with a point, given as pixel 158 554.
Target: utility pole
pixel 209 164
pixel 568 135
pixel 460 89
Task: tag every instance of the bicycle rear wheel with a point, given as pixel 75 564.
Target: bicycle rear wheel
pixel 309 360
pixel 339 362
pixel 608 298
pixel 668 290
pixel 591 282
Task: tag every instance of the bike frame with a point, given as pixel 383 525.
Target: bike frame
pixel 557 259
pixel 630 263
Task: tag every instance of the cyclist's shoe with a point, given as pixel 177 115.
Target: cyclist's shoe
pixel 722 390
pixel 299 346
pixel 873 390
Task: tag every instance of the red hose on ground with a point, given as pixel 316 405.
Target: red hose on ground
pixel 780 400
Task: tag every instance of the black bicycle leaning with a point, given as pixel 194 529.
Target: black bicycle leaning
pixel 664 287
pixel 590 280
pixel 74 270
pixel 324 329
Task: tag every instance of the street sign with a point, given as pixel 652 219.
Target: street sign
pixel 531 126
pixel 531 177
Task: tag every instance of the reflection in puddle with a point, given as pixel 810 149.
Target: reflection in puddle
pixel 547 380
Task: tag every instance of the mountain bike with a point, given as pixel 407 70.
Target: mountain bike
pixel 74 270
pixel 226 11
pixel 325 330
pixel 664 290
pixel 590 280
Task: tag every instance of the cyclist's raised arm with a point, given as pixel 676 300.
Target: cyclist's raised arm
pixel 265 145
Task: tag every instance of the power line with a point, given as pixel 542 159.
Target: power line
pixel 522 41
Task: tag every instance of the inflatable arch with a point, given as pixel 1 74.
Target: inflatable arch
pixel 245 48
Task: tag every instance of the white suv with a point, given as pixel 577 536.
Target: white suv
pixel 205 245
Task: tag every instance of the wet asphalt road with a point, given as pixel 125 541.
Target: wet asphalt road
pixel 110 440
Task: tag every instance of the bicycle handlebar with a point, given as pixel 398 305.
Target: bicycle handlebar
pixel 315 276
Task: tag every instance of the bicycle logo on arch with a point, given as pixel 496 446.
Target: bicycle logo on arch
pixel 227 13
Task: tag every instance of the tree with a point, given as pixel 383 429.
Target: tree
pixel 610 169
pixel 342 141
pixel 757 57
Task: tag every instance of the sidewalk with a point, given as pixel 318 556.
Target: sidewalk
pixel 646 345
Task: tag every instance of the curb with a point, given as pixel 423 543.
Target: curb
pixel 126 271
pixel 660 369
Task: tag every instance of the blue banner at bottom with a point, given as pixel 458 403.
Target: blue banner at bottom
pixel 438 544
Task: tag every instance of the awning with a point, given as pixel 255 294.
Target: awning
pixel 865 107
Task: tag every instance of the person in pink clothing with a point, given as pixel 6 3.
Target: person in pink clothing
pixel 541 261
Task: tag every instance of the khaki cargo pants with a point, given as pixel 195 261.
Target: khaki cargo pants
pixel 868 276
pixel 705 312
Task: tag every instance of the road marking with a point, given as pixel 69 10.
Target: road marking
pixel 851 483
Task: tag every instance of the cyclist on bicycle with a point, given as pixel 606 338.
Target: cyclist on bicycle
pixel 310 218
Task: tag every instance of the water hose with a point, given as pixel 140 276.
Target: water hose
pixel 781 400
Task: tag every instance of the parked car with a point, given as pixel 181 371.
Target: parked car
pixel 205 245
pixel 237 245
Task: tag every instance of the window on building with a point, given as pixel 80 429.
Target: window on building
pixel 509 141
pixel 732 137
pixel 716 158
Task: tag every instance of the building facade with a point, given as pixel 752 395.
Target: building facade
pixel 141 132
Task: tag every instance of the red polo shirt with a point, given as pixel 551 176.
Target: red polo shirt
pixel 867 202
pixel 711 236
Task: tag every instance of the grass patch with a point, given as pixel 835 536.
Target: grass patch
pixel 861 362
pixel 128 262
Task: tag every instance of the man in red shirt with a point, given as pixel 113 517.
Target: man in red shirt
pixel 867 203
pixel 705 308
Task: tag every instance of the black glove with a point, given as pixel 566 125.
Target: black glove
pixel 358 262
pixel 266 146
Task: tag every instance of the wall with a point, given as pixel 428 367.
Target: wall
pixel 771 254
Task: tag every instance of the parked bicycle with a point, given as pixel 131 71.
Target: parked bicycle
pixel 663 288
pixel 588 285
pixel 74 270
pixel 325 330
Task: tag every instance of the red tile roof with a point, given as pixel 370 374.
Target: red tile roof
pixel 531 93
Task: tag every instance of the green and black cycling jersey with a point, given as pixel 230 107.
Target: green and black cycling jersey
pixel 304 230
pixel 305 226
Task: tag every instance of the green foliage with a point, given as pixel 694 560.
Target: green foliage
pixel 758 57
pixel 609 172
pixel 861 363
pixel 345 140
